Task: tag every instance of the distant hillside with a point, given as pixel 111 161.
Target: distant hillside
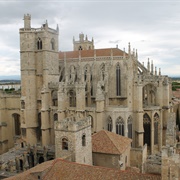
pixel 10 78
pixel 9 81
pixel 175 78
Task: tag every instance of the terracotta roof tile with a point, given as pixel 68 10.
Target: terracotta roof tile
pixel 176 93
pixel 109 142
pixel 90 53
pixel 30 174
pixel 65 170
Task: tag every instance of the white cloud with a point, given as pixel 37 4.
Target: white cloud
pixel 152 27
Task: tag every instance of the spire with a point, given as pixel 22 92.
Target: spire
pixel 86 38
pixel 111 55
pixel 57 28
pixel 129 49
pixel 66 74
pixel 92 40
pixel 133 52
pixel 136 54
pixel 152 67
pixel 159 71
pixel 148 65
pixel 46 22
pixel 124 54
pixel 73 39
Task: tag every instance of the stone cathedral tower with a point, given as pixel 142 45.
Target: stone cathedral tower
pixel 39 66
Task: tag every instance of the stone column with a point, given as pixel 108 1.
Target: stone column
pixel 63 101
pixel 100 102
pixel 113 122
pixel 160 132
pixel 45 121
pixel 139 115
pixel 152 133
pixel 80 97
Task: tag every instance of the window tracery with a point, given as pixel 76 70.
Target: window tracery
pixel 129 122
pixel 156 124
pixel 109 124
pixel 147 129
pixel 118 81
pixel 120 126
pixel 39 44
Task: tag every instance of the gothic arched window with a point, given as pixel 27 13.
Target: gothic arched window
pixel 129 122
pixel 120 126
pixel 109 124
pixel 53 44
pixel 156 124
pixel 84 140
pixel 118 80
pixel 80 48
pixel 54 95
pixel 55 117
pixel 147 129
pixel 39 44
pixel 72 98
pixel 64 144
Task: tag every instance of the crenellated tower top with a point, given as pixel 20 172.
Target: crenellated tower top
pixel 83 43
pixel 27 21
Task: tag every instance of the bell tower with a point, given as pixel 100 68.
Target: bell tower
pixel 39 66
pixel 83 43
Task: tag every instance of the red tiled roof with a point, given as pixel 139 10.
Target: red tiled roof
pixel 90 53
pixel 109 142
pixel 65 170
pixel 30 174
pixel 176 93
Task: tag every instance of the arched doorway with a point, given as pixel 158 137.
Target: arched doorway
pixel 21 164
pixel 17 124
pixel 41 160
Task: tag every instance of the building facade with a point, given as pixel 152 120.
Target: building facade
pixel 67 96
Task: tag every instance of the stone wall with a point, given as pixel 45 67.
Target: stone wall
pixel 138 157
pixel 9 105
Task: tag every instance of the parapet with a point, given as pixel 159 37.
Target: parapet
pixel 72 124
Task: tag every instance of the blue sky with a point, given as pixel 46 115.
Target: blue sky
pixel 152 27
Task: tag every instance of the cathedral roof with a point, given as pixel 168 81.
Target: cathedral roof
pixel 92 53
pixel 109 142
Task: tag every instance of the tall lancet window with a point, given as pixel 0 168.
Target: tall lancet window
pixel 39 43
pixel 147 129
pixel 129 122
pixel 118 80
pixel 156 124
pixel 120 126
pixel 109 124
pixel 52 44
